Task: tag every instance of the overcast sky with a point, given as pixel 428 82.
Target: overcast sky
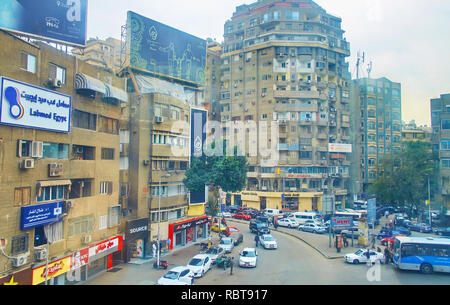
pixel 407 40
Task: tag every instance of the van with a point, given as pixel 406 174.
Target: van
pixel 273 212
pixel 303 217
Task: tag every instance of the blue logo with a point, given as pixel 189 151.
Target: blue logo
pixel 12 95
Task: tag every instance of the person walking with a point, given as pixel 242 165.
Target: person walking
pixel 256 240
pixel 154 250
pixel 369 262
pixel 387 255
pixel 231 266
pixel 386 214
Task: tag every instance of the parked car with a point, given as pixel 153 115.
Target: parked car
pixel 248 257
pixel 402 230
pixel 225 214
pixel 232 209
pixel 288 222
pixel 242 215
pixel 181 275
pixel 350 232
pixel 420 227
pixel 214 253
pixel 443 232
pixel 200 264
pixel 273 212
pixel 267 241
pixel 227 244
pixel 360 256
pixel 389 240
pixel 313 227
pixel 238 239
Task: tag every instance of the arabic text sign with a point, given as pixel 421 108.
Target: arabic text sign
pixel 341 222
pixel 339 148
pixel 24 105
pixel 40 215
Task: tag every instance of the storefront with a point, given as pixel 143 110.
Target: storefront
pixel 19 278
pixel 189 231
pixel 136 239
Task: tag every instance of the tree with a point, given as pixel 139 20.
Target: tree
pixel 403 178
pixel 228 173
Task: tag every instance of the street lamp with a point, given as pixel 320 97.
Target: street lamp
pixel 159 216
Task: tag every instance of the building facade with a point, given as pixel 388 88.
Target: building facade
pixel 59 179
pixel 285 63
pixel 102 53
pixel 377 131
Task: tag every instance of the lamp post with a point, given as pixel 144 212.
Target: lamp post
pixel 159 217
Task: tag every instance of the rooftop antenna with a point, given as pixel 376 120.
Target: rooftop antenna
pixel 360 60
pixel 369 69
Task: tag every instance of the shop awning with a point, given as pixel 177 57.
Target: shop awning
pixel 113 92
pixel 86 82
pixel 41 184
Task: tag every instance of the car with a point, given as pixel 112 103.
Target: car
pixel 224 214
pixel 214 253
pixel 267 241
pixel 264 218
pixel 420 227
pixel 443 232
pixel 181 275
pixel 402 230
pixel 389 240
pixel 242 215
pixel 255 225
pixel 232 209
pixel 199 265
pixel 350 232
pixel 215 228
pixel 227 244
pixel 288 223
pixel 313 227
pixel 360 256
pixel 238 239
pixel 273 212
pixel 248 257
pixel 233 230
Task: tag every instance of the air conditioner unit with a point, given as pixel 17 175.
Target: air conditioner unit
pixel 146 162
pixel 86 239
pixel 54 83
pixel 40 254
pixel 55 169
pixel 27 164
pixel 20 260
pixel 159 119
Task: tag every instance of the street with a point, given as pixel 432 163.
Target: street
pixel 293 263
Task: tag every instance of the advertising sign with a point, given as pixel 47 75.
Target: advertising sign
pixel 62 21
pixel 198 137
pixel 24 105
pixel 79 259
pixel 341 222
pixel 136 229
pixel 55 269
pixel 339 148
pixel 189 224
pixel 105 248
pixel 371 210
pixel 39 215
pixel 161 49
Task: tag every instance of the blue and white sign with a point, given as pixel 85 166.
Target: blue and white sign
pixel 198 137
pixel 40 215
pixel 24 105
pixel 371 210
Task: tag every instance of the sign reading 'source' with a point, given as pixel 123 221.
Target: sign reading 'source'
pixel 28 106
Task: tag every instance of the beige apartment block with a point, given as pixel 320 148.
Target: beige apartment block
pixel 78 169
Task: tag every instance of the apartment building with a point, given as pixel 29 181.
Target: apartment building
pixel 102 53
pixel 377 132
pixel 59 160
pixel 412 133
pixel 440 124
pixel 285 62
pixel 212 90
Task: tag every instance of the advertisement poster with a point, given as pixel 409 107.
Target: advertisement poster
pixel 39 215
pixel 198 138
pixel 55 269
pixel 63 21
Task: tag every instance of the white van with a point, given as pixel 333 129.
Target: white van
pixel 273 212
pixel 303 217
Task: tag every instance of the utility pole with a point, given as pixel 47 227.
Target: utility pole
pixel 429 201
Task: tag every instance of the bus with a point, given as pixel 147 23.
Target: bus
pixel 302 217
pixel 355 214
pixel 424 254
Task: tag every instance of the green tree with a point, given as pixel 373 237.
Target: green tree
pixel 228 173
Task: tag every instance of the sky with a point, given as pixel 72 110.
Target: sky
pixel 407 40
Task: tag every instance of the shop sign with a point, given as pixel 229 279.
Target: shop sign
pixel 105 248
pixel 341 222
pixel 39 215
pixel 55 269
pixel 137 229
pixel 339 148
pixel 189 224
pixel 79 259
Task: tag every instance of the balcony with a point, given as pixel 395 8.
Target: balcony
pixel 295 108
pixel 285 146
pixel 299 94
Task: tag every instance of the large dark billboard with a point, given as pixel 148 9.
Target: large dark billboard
pixel 158 48
pixel 198 137
pixel 61 21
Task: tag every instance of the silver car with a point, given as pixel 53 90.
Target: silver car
pixel 227 243
pixel 312 227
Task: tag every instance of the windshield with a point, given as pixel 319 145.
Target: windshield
pixel 225 241
pixel 212 251
pixel 359 252
pixel 171 275
pixel 195 262
pixel 269 238
pixel 233 230
pixel 248 254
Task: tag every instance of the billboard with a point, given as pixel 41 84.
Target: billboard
pixel 28 106
pixel 63 21
pixel 371 210
pixel 339 148
pixel 158 48
pixel 198 137
pixel 40 215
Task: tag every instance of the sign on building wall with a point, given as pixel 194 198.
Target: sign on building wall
pixel 161 49
pixel 63 21
pixel 40 215
pixel 24 105
pixel 372 210
pixel 339 148
pixel 198 138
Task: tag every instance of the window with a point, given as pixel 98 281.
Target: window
pixel 81 188
pixel 55 151
pixel 85 120
pixel 108 125
pixel 113 216
pixel 445 145
pixel 19 244
pixel 80 152
pixel 57 72
pixel 80 225
pixel 51 193
pixel 107 153
pixel 106 187
pixel 446 163
pixel 28 62
pixel 445 124
pixel 103 222
pixel 22 196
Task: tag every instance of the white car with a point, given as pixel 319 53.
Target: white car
pixel 214 253
pixel 248 257
pixel 288 222
pixel 199 265
pixel 181 275
pixel 360 256
pixel 227 243
pixel 268 241
pixel 225 214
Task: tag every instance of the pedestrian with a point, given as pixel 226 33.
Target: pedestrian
pixel 378 249
pixel 386 214
pixel 387 255
pixel 256 240
pixel 168 244
pixel 369 262
pixel 373 242
pixel 231 266
pixel 154 250
pixel 345 240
